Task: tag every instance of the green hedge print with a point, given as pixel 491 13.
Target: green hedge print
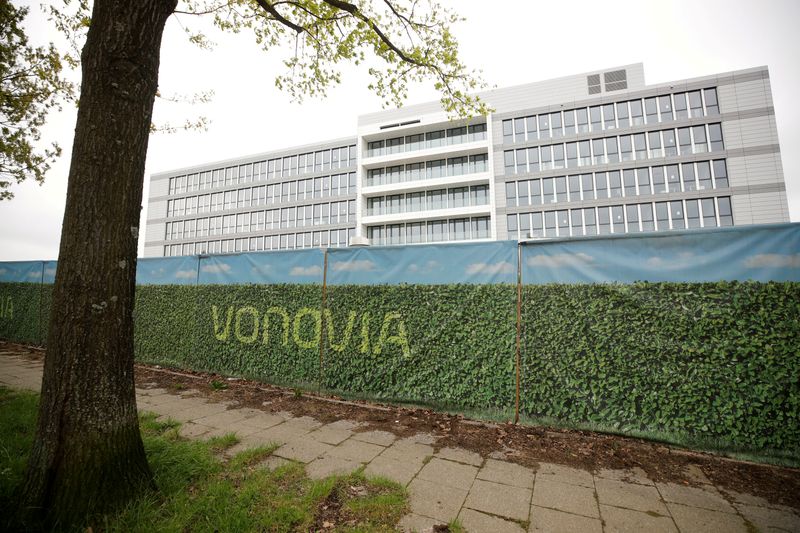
pixel 712 360
pixel 716 360
pixel 20 312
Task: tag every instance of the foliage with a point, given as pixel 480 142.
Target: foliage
pixel 400 41
pixel 31 85
pixel 22 317
pixel 710 359
pixel 702 360
pixel 17 425
pixel 198 491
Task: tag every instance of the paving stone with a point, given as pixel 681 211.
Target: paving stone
pixel 153 392
pixel 770 519
pixel 273 462
pixel 346 425
pixel 330 435
pixel 305 423
pixel 449 473
pixel 239 428
pixel 280 434
pixel 632 475
pixel 241 446
pixel 328 465
pixel 408 451
pixel 423 438
pixel 475 521
pixel 705 521
pixel 303 450
pixel 506 473
pixel 618 520
pixel 221 419
pixel 381 438
pixel 500 500
pixel 460 455
pixel 434 500
pixel 552 521
pixel 398 471
pixel 354 450
pixel 706 497
pixel 414 523
pixel 696 474
pixel 263 420
pixel 629 495
pixel 565 474
pixel 756 501
pixel 191 431
pixel 198 410
pixel 564 497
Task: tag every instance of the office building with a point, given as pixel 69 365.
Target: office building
pixel 590 154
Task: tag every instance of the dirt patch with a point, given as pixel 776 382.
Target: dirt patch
pixel 525 445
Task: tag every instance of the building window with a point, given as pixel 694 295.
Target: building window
pixel 632 214
pixel 709 213
pixel 692 214
pixel 712 106
pixel 725 213
pixel 676 213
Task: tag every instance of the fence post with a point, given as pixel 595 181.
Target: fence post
pixel 519 327
pixel 322 319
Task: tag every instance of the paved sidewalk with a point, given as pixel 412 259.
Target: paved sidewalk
pixel 484 494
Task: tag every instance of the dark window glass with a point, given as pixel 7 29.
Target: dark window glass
pixel 725 214
pixel 509 161
pixel 665 107
pixel 601 179
pixel 572 155
pixel 558 156
pixel 629 181
pixel 612 152
pixel 692 214
pixel 676 211
pixel 548 190
pixel 670 147
pixel 637 114
pixel 537 225
pixel 599 151
pixel 615 184
pixel 511 223
pixel 569 122
pixel 715 136
pixel 712 106
pixel 709 213
pixel 587 186
pixel 651 110
pixel 700 143
pixel 688 177
pixel 533 159
pixel 681 111
pixel 626 148
pixel 522 193
pixel 662 216
pixel 654 138
pixel 576 216
pixel 643 180
pixel 530 124
pixel 647 217
pixel 583 120
pixel 640 145
pixel 604 220
pixel 618 219
pixel 696 104
pixel 704 175
pixel 685 141
pixel 720 174
pixel 562 218
pixel 519 130
pixel 632 214
pixel 511 194
pixel 561 189
pixel 522 161
pixel 508 132
pixel 622 114
pixel 544 126
pixel 574 188
pixel 608 116
pixel 673 178
pixel 536 192
pixel 555 124
pixel 524 225
pixel 595 114
pixel 590 221
pixel 550 224
pixel 584 153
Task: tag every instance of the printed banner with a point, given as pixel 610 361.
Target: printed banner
pixel 294 266
pixel 758 253
pixel 167 270
pixel 436 264
pixel 21 272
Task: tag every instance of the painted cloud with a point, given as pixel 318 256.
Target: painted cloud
pixel 306 271
pixel 185 274
pixel 560 260
pixel 218 268
pixel 503 267
pixel 362 265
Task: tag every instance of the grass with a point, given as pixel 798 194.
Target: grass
pixel 198 491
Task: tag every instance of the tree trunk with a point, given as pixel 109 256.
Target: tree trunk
pixel 87 456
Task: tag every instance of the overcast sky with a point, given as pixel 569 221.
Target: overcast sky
pixel 512 41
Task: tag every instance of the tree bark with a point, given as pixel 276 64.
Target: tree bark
pixel 88 456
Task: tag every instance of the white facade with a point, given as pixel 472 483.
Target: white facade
pixel 593 153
